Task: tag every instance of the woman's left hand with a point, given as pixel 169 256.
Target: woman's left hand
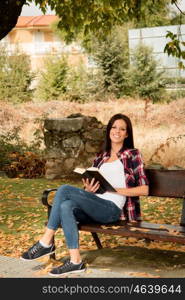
pixel 91 186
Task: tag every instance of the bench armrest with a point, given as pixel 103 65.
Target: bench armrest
pixel 45 194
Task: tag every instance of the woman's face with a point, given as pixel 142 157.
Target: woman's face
pixel 118 132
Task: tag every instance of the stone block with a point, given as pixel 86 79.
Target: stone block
pixel 64 125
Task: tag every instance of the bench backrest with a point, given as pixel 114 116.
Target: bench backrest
pixel 166 183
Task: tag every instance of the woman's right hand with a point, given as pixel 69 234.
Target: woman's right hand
pixel 91 186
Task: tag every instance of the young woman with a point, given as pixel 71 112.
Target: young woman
pixel 121 164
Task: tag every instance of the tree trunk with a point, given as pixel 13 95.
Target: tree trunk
pixel 10 10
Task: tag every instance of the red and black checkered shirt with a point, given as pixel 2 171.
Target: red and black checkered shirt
pixel 134 176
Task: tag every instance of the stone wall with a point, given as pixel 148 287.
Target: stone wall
pixel 71 142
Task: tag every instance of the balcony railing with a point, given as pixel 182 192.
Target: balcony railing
pixel 41 48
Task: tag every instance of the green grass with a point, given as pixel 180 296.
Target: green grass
pixel 20 203
pixel 161 210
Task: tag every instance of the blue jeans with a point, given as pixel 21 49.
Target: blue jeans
pixel 72 205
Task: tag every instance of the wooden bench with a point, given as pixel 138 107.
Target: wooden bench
pixel 162 183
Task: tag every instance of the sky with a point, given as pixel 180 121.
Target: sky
pixel 33 10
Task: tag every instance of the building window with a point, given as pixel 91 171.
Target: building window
pixel 38 36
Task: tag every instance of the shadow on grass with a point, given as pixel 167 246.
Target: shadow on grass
pixel 137 259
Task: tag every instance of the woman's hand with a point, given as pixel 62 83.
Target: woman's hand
pixel 91 186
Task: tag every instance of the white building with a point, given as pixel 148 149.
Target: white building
pixel 155 37
pixel 34 36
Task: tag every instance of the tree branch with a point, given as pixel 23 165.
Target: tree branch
pixel 179 8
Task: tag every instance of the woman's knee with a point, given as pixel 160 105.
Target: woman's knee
pixel 61 194
pixel 63 189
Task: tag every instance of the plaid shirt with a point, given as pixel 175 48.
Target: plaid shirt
pixel 134 176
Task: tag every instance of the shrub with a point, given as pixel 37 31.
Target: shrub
pixel 26 165
pixel 78 84
pixel 174 95
pixel 144 79
pixel 60 81
pixel 52 83
pixel 18 159
pixel 9 142
pixel 111 57
pixel 15 76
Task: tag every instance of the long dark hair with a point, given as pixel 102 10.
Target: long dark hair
pixel 128 142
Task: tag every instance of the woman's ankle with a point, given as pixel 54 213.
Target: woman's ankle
pixel 47 238
pixel 45 245
pixel 75 256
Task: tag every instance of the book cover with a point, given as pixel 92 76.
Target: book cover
pixel 91 173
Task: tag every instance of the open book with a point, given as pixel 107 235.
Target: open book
pixel 93 172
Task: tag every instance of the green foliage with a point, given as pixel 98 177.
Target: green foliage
pixel 52 83
pixel 144 79
pixel 174 47
pixel 60 81
pixel 15 76
pixel 152 14
pixel 100 16
pixel 177 19
pixel 175 94
pixel 111 57
pixel 93 16
pixel 112 75
pixel 175 80
pixel 79 81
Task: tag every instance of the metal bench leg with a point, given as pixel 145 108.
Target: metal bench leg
pixel 53 256
pixel 182 222
pixel 97 240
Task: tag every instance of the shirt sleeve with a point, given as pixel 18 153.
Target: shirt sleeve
pixel 138 169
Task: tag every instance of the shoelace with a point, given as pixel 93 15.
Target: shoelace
pixel 35 249
pixel 66 265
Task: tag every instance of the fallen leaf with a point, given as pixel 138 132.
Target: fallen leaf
pixel 139 229
pixel 162 227
pixel 133 229
pixel 115 227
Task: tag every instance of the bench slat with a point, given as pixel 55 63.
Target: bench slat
pixel 126 231
pixel 164 227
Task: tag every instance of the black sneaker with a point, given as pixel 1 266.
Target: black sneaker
pixel 67 268
pixel 37 251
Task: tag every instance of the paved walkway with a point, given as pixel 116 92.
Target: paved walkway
pixel 122 262
pixel 17 268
